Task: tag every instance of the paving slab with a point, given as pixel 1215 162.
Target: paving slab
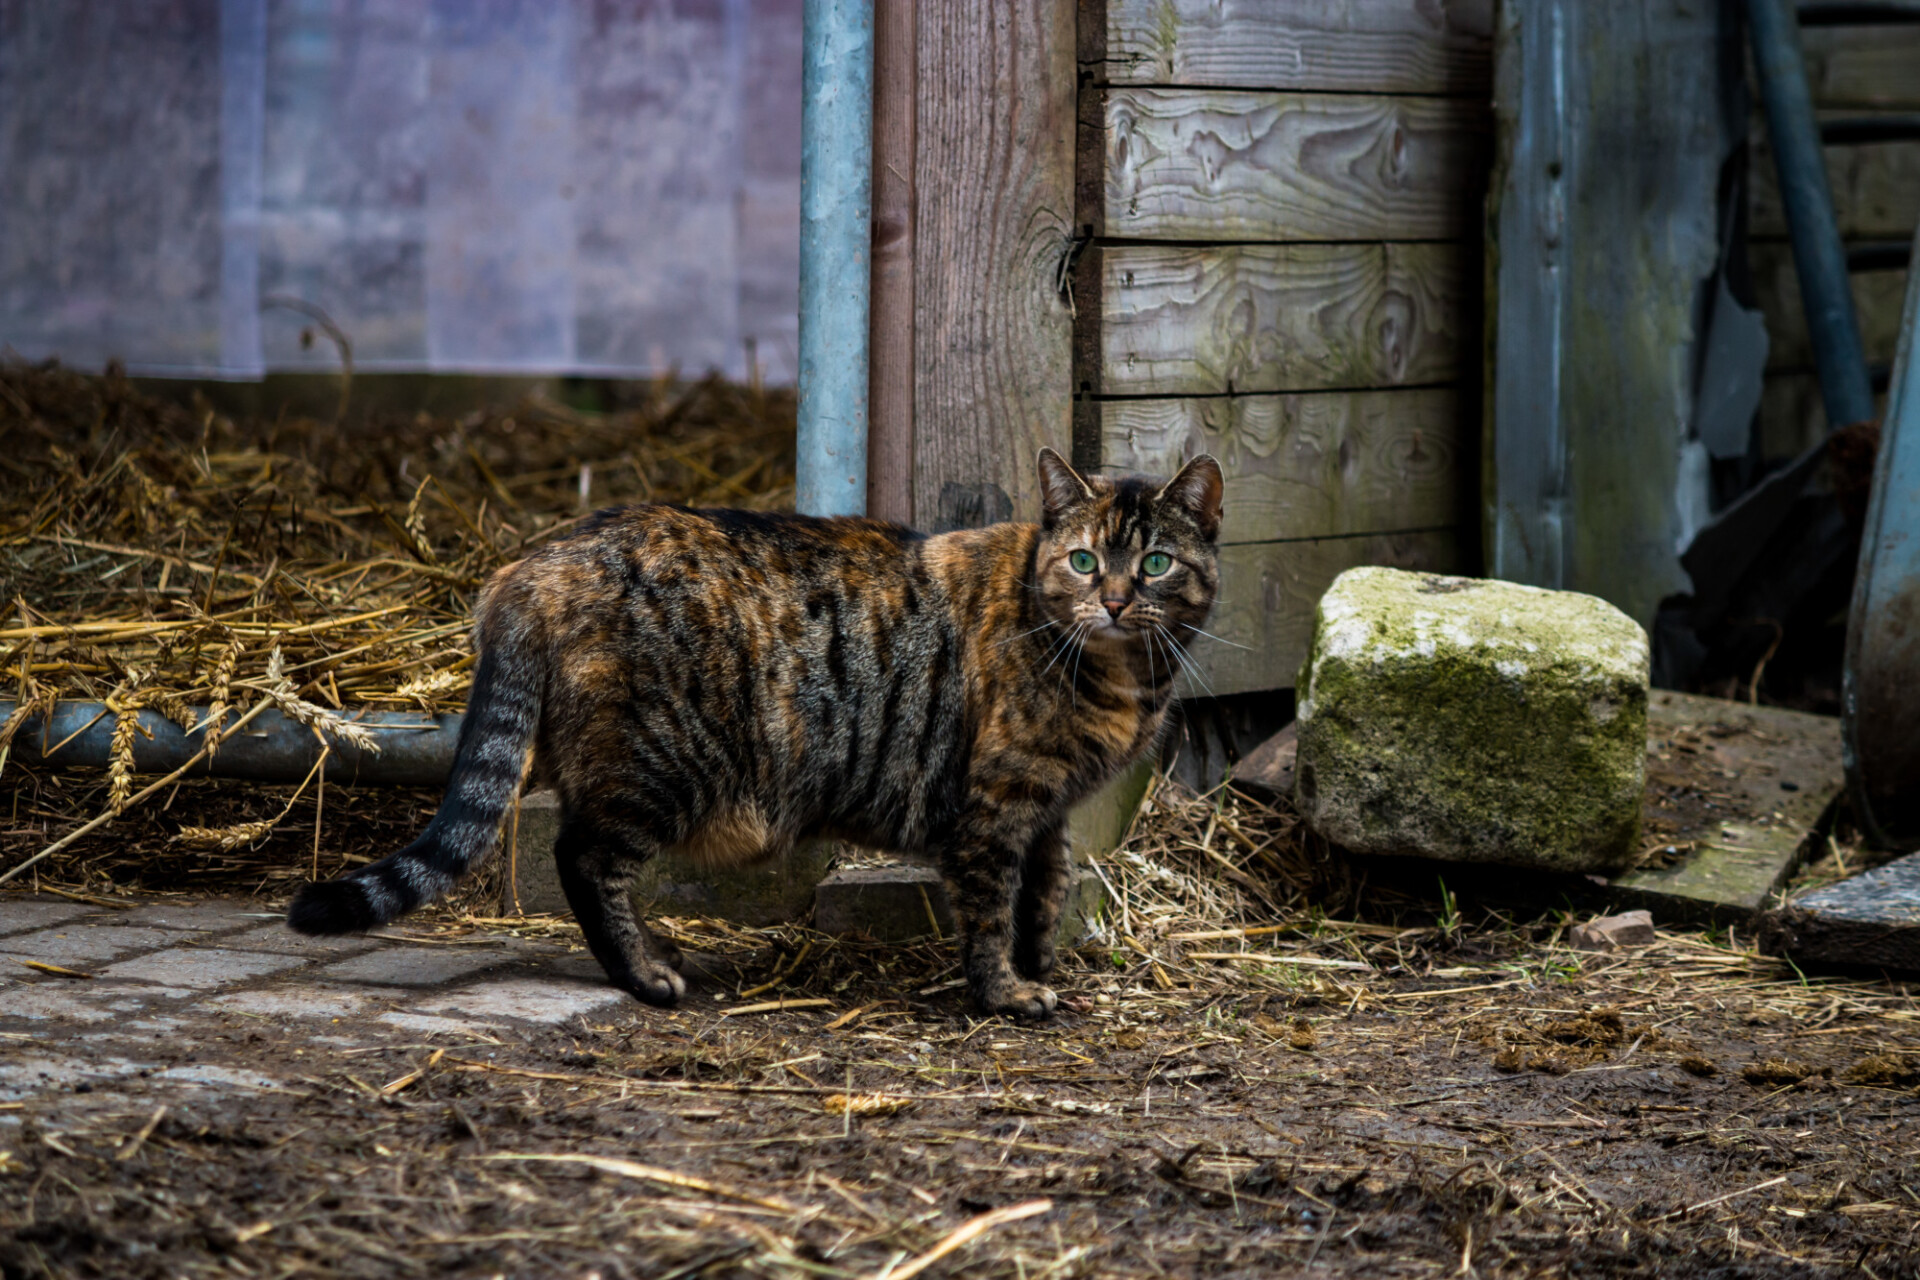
pixel 78 945
pixel 1735 793
pixel 18 915
pixel 1871 919
pixel 409 966
pixel 295 1002
pixel 200 968
pixel 426 1024
pixel 275 936
pixel 195 917
pixel 548 1002
pixel 81 1002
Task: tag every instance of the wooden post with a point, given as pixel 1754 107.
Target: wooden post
pixel 993 186
pixel 891 353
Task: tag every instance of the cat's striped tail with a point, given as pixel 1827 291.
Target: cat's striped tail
pixel 503 713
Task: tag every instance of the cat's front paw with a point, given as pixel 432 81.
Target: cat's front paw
pixel 1028 1001
pixel 656 984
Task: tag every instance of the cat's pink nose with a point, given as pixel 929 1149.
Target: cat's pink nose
pixel 1115 608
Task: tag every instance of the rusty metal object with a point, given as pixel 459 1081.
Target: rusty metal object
pixel 1881 692
pixel 416 750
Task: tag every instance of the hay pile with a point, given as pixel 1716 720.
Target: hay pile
pixel 165 555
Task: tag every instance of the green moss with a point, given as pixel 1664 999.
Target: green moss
pixel 1473 721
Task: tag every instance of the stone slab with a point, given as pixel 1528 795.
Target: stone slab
pixel 77 946
pixel 906 901
pixel 60 1000
pixel 1872 919
pixel 200 968
pixel 1735 793
pixel 20 914
pixel 1266 772
pixel 528 1001
pixel 405 966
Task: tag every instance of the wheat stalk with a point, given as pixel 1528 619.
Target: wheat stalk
pixel 126 725
pixel 222 685
pixel 294 707
pixel 225 839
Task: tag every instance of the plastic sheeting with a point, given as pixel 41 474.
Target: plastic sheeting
pixel 525 186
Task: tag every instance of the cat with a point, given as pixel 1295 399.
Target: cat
pixel 724 683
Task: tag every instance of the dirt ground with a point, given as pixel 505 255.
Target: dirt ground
pixel 1438 1096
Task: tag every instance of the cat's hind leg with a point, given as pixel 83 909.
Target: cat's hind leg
pixel 597 859
pixel 1043 895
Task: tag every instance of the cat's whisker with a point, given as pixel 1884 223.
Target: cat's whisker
pixel 1201 631
pixel 1186 660
pixel 1024 634
pixel 1061 646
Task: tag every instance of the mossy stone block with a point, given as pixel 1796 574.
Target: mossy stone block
pixel 1473 721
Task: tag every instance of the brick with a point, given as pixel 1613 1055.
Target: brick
pixel 77 946
pixel 529 1001
pixel 200 968
pixel 405 966
pixel 193 917
pixel 1610 933
pixel 18 915
pixel 278 938
pixel 294 1002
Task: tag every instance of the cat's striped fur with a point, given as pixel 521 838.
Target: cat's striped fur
pixel 724 683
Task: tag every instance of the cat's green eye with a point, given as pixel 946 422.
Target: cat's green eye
pixel 1156 563
pixel 1083 562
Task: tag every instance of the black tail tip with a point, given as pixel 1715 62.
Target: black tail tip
pixel 334 906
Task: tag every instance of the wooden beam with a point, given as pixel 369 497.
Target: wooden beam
pixel 1214 164
pixel 1876 185
pixel 1370 46
pixel 896 59
pixel 1203 321
pixel 1268 593
pixel 1878 298
pixel 1863 66
pixel 1305 465
pixel 993 177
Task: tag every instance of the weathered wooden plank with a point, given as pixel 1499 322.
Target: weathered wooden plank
pixel 1305 466
pixel 1296 317
pixel 1268 592
pixel 896 58
pixel 993 180
pixel 1876 185
pixel 1863 66
pixel 1877 300
pixel 1214 164
pixel 1371 46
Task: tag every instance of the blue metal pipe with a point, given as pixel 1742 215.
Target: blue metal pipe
pixel 836 202
pixel 1818 255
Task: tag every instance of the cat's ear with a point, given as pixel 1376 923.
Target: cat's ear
pixel 1060 486
pixel 1198 489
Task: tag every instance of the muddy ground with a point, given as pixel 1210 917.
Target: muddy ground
pixel 1437 1099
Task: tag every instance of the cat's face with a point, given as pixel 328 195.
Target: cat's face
pixel 1128 561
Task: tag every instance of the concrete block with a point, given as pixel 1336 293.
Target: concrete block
pixel 1610 933
pixel 775 891
pixel 1473 721
pixel 906 901
pixel 77 946
pixel 200 968
pixel 18 915
pixel 897 902
pixel 1871 919
pixel 550 1002
pixel 404 966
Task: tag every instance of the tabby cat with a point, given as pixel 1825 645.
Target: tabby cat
pixel 724 683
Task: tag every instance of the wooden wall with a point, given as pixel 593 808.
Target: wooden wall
pixel 1278 212
pixel 1144 228
pixel 1853 72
